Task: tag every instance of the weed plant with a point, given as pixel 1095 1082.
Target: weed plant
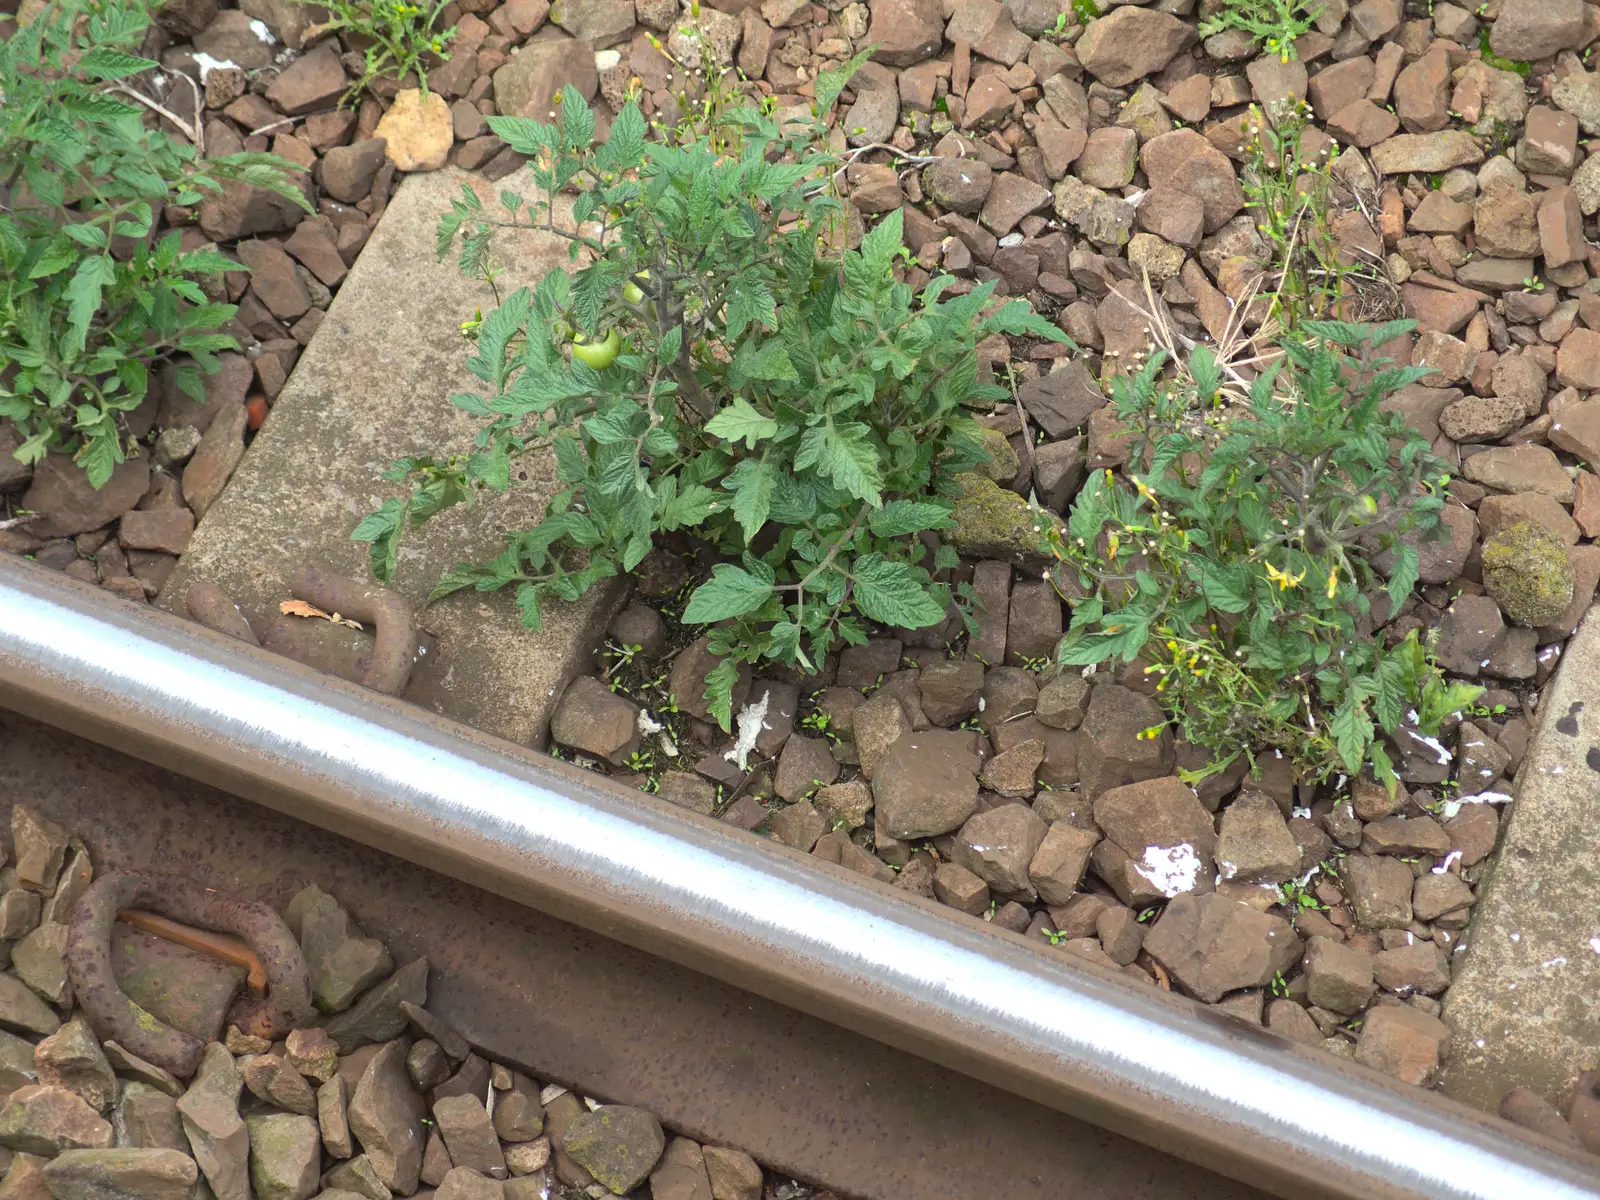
pixel 400 38
pixel 1289 194
pixel 714 368
pixel 90 298
pixel 1240 564
pixel 1239 557
pixel 1274 23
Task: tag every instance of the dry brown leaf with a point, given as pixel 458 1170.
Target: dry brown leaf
pixel 299 608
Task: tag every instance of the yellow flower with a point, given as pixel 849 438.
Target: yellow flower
pixel 1333 581
pixel 1112 542
pixel 1144 490
pixel 1283 579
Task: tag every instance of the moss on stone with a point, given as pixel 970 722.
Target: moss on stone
pixel 1527 572
pixel 1003 463
pixel 285 1151
pixel 617 1144
pixel 992 522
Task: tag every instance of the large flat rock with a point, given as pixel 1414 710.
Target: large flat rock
pixel 374 386
pixel 1524 1007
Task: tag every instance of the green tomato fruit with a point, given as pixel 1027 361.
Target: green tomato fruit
pixel 630 290
pixel 601 354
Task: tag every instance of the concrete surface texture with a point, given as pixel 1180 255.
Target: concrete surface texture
pixel 374 386
pixel 1524 1007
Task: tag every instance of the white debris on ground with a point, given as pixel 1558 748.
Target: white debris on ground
pixel 207 64
pixel 1172 871
pixel 752 720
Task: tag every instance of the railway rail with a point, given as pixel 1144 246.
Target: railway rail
pixel 832 1028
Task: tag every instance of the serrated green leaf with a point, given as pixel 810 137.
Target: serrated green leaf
pixel 591 289
pixel 45 185
pixel 894 593
pixel 524 135
pixel 625 143
pixel 1389 330
pixel 99 457
pixel 571 463
pixel 752 483
pixel 796 500
pixel 844 454
pixel 54 260
pixel 900 517
pixel 1441 700
pixel 1403 577
pixel 528 604
pixel 616 471
pixel 749 302
pixel 688 508
pixel 1205 372
pixel 494 337
pixel 135 377
pixel 88 235
pixel 577 120
pixel 730 592
pixel 458 578
pixel 622 422
pixel 739 421
pixel 1393 693
pixel 83 295
pixel 879 247
pixel 491 467
pixel 671 344
pixel 1226 589
pixel 585 206
pixel 784 645
pixel 382 529
pixel 830 83
pixel 1352 733
pixel 105 64
pixel 720 681
pixel 767 362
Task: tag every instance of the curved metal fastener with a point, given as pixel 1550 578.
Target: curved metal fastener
pixel 215 609
pixel 396 624
pixel 114 1016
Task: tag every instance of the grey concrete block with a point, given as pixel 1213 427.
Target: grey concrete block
pixel 1521 1009
pixel 373 386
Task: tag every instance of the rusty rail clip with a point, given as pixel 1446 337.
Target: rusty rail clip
pixel 218 945
pixel 266 941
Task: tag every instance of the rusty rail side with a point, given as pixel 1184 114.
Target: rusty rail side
pixel 1093 1044
pixel 722 1065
